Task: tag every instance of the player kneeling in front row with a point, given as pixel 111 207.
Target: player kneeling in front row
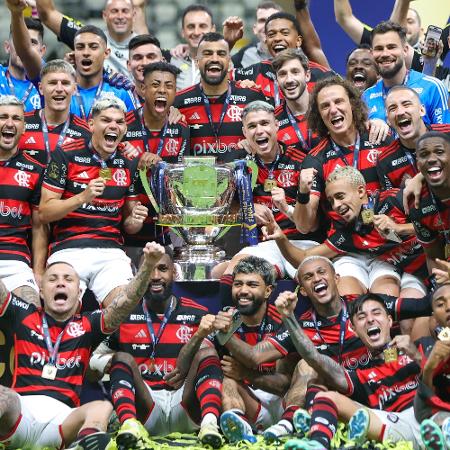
pixel 52 350
pixel 145 383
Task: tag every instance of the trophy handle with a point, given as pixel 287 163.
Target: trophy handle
pixel 147 189
pixel 224 231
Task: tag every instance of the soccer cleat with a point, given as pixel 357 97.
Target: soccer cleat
pixel 235 428
pixel 275 432
pixel 132 435
pixel 446 431
pixel 304 444
pixel 209 435
pixel 432 436
pixel 302 421
pixel 94 441
pixel 358 426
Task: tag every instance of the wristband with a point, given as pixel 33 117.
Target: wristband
pixel 290 210
pixel 303 197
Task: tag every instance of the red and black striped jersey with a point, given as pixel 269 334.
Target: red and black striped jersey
pixel 286 172
pixel 172 147
pixel 431 219
pixel 325 332
pixel 98 223
pixel 20 191
pixel 263 75
pixel 385 386
pixel 406 256
pixel 134 338
pixel 175 142
pixel 32 141
pixel 268 327
pixel 203 141
pixel 288 135
pixel 430 401
pixel 81 335
pixel 397 162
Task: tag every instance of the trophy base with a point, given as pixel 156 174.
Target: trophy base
pixel 198 261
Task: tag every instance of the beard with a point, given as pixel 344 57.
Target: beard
pixel 390 73
pixel 250 309
pixel 213 81
pixel 160 296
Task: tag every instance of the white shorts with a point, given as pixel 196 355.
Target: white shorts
pixel 271 409
pixel 100 269
pixel 366 270
pixel 168 414
pixel 269 251
pixel 401 426
pixel 40 423
pixel 16 274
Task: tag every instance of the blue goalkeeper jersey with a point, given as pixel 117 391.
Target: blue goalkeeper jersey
pixel 431 91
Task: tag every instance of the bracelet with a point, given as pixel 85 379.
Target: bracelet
pixel 303 197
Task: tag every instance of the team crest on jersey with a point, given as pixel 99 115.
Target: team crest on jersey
pixel 234 112
pixel 172 147
pixel 75 329
pixel 22 178
pixel 286 178
pixel 372 156
pixel 120 177
pixel 53 170
pixel 184 333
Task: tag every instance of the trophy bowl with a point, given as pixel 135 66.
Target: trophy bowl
pixel 195 199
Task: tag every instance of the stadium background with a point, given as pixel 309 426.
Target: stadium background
pixel 163 19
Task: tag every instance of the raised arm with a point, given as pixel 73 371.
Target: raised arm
pixel 128 297
pixel 49 15
pixel 311 44
pixel 400 12
pixel 140 23
pixel 25 48
pixel 322 364
pixel 348 22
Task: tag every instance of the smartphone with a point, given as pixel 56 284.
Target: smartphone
pixel 431 42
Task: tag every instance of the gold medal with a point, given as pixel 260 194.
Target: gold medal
pixel 269 184
pixel 390 354
pixel 151 365
pixel 49 372
pixel 367 216
pixel 105 173
pixel 444 334
pixel 447 251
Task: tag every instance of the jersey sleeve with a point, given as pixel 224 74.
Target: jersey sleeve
pixel 337 240
pixel 282 342
pixel 318 184
pixel 68 29
pixel 437 107
pixel 55 177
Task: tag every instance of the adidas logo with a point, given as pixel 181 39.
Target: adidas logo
pixel 286 137
pixel 142 334
pixel 195 116
pixel 267 88
pixel 84 175
pixel 30 140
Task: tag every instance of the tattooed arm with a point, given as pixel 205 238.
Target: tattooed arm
pixel 128 297
pixel 322 364
pixel 190 349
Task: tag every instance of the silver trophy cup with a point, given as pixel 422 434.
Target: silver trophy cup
pixel 196 205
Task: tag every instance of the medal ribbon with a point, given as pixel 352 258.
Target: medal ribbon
pixel 52 349
pixel 12 89
pixel 61 137
pixel 222 114
pixel 306 146
pixel 162 134
pixel 156 338
pixel 341 155
pixel 260 334
pixel 343 316
pixel 79 101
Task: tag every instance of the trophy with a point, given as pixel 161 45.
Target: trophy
pixel 194 198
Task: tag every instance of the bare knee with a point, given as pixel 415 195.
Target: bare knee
pixel 9 409
pixel 125 358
